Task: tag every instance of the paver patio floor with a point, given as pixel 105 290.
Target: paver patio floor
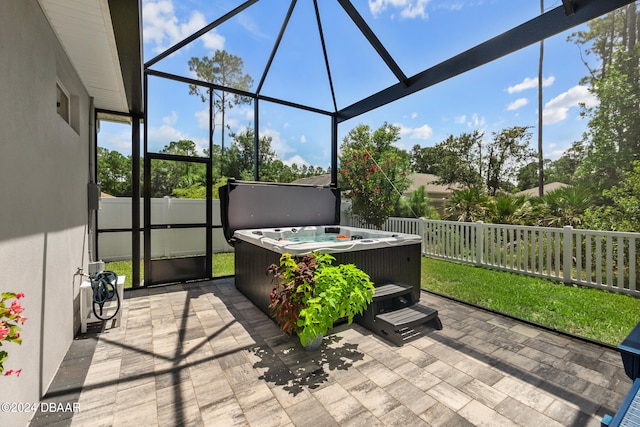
pixel 202 354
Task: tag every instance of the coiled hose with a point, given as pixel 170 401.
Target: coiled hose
pixel 104 287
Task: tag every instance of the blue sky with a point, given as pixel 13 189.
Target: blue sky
pixel 417 33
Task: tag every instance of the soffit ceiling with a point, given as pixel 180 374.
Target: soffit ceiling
pixel 103 42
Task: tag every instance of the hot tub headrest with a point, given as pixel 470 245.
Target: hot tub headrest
pixel 248 205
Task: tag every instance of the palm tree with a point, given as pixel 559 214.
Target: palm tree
pixel 509 209
pixel 565 206
pixel 467 205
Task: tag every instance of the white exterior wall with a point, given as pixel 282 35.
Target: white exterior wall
pixel 43 218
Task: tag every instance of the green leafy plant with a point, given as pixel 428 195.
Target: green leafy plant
pixel 311 294
pixel 10 316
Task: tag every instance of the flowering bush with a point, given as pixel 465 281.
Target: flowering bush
pixel 9 331
pixel 373 171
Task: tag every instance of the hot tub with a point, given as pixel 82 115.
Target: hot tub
pixel 262 221
pixel 300 241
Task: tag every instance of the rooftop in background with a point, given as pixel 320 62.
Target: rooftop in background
pixel 418 179
pixel 547 188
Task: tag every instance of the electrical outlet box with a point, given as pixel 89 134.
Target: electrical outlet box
pixel 93 192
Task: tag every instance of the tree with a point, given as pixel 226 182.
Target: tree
pixel 467 205
pixel 458 160
pixel 612 140
pixel 239 157
pixel 224 70
pixel 508 150
pixel 374 171
pixel 418 205
pixel 564 169
pixel 528 176
pixel 508 209
pixel 461 159
pixel 622 213
pixel 114 172
pixel 564 206
pixel 169 175
pixel 424 159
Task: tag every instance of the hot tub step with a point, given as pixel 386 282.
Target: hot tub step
pixel 396 325
pixel 391 290
pixel 391 297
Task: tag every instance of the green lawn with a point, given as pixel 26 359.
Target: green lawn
pixel 592 313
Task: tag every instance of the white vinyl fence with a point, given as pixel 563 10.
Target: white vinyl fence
pixel 602 259
pixel 115 214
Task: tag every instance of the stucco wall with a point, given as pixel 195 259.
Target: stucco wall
pixel 43 208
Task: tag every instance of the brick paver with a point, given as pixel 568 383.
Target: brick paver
pixel 202 354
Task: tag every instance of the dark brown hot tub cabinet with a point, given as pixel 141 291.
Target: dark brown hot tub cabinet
pixel 392 261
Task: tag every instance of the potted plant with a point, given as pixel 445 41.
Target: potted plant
pixel 310 294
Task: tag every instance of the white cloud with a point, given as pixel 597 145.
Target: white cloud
pixel 281 148
pixel 408 8
pixel 162 136
pixel 554 155
pixel 518 103
pixel 530 83
pixel 448 5
pixel 557 109
pixel 414 115
pixel 213 41
pixel 460 119
pixel 236 118
pixel 252 26
pixel 163 28
pixel 170 120
pixel 119 141
pixel 423 132
pixel 477 122
pixel 297 159
pixel 303 139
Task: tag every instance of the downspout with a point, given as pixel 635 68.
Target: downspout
pixel 93 178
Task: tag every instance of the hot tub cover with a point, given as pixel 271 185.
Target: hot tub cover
pixel 249 205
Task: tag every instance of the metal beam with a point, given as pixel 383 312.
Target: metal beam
pixel 334 151
pixel 188 80
pixel 126 16
pixel 568 7
pixel 324 52
pixel 199 33
pixel 551 23
pixel 276 45
pixel 373 40
pixel 197 82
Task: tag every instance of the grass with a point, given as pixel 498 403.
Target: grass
pixel 591 313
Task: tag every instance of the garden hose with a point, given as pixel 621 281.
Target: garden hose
pixel 104 287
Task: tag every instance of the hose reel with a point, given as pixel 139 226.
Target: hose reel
pixel 104 287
